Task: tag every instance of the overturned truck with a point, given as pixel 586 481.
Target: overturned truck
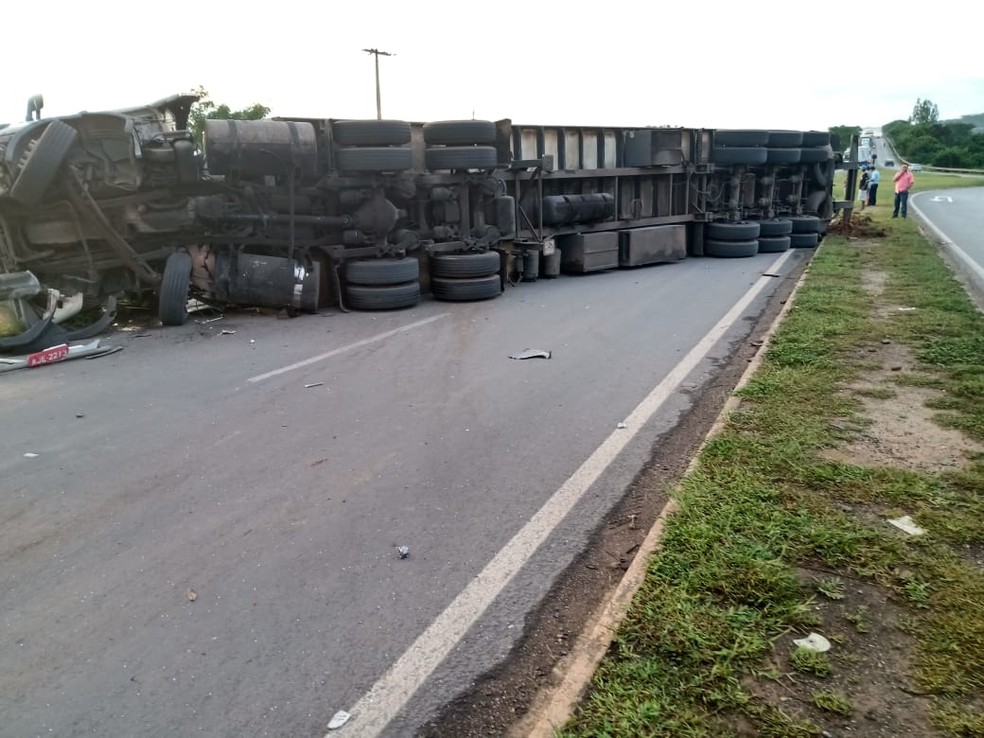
pixel 371 214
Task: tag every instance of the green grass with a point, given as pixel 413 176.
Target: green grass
pixel 764 503
pixel 924 182
pixel 833 702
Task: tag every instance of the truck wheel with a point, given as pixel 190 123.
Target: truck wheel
pixel 804 240
pixel 785 139
pixel 459 132
pixel 41 162
pixel 773 244
pixel 373 272
pixel 814 156
pixel 752 155
pixel 465 265
pixel 741 137
pixel 461 157
pixel 775 227
pixel 371 132
pixel 744 231
pixel 823 172
pixel 172 304
pixel 383 297
pixel 730 249
pixel 783 156
pixel 465 290
pixel 805 223
pixel 816 138
pixel 374 159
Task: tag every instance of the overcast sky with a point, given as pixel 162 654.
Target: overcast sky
pixel 754 64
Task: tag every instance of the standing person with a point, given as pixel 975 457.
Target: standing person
pixel 873 186
pixel 863 187
pixel 903 183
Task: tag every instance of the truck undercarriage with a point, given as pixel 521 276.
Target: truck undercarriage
pixel 370 214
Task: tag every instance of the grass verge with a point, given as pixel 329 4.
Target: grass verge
pixel 774 539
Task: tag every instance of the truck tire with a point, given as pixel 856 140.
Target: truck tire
pixel 775 227
pixel 374 159
pixel 172 303
pixel 41 162
pixel 465 265
pixel 814 156
pixel 461 157
pixel 804 240
pixel 805 223
pixel 371 132
pixel 751 155
pixel 372 272
pixel 816 138
pixel 823 172
pixel 783 156
pixel 383 297
pixel 821 202
pixel 741 137
pixel 785 139
pixel 744 231
pixel 465 290
pixel 730 249
pixel 459 132
pixel 773 244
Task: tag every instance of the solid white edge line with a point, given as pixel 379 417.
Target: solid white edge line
pixel 976 269
pixel 393 690
pixel 344 349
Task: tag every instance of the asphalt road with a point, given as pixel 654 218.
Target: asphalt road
pixel 199 462
pixel 957 217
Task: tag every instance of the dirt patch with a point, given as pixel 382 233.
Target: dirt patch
pixel 902 432
pixel 874 282
pixel 859 226
pixel 870 663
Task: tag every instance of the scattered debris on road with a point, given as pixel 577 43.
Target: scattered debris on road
pixel 31 455
pixel 338 720
pixel 531 354
pixel 404 551
pixel 104 352
pixel 621 426
pixel 813 642
pixel 56 354
pixel 192 595
pixel 313 384
pixel 908 525
pixel 227 332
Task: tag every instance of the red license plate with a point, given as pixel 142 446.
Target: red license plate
pixel 48 356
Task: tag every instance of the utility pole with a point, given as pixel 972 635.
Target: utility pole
pixel 377 53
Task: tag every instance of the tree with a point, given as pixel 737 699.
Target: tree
pixel 206 109
pixel 953 156
pixel 925 112
pixel 840 136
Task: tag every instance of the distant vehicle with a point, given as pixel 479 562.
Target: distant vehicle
pixel 890 162
pixel 915 167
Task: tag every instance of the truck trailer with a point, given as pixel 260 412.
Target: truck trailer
pixel 301 213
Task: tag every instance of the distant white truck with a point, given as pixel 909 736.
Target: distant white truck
pixel 865 151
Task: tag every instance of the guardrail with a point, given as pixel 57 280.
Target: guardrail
pixel 927 168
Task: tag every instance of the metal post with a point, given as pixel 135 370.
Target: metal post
pixel 377 53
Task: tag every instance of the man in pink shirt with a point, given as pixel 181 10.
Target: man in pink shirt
pixel 903 183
